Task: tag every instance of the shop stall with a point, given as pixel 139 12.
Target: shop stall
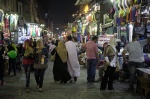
pixel 1 23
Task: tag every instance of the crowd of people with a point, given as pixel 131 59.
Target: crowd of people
pixel 34 55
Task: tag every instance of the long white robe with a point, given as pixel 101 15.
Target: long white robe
pixel 73 63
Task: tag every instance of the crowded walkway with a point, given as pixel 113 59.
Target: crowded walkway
pixel 14 88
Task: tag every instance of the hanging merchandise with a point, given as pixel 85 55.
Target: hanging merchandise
pixel 1 16
pixel 6 21
pixel 127 11
pixel 13 22
pixel 130 32
pixel 121 12
pixel 133 13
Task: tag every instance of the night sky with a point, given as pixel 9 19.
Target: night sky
pixel 60 10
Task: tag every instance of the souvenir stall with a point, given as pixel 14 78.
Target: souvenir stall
pixel 107 30
pixel 89 27
pixel 33 30
pixel 1 23
pixel 131 15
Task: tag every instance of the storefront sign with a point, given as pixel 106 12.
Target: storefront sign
pixel 104 38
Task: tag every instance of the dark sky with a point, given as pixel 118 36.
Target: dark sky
pixel 61 10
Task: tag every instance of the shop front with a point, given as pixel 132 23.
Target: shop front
pixel 1 23
pixel 131 16
pixel 31 30
pixel 11 27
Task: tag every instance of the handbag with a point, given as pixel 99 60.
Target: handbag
pixel 18 60
pixel 53 57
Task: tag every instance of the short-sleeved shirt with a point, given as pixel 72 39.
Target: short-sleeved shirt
pixel 91 49
pixel 135 50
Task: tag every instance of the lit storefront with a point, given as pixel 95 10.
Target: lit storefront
pixel 1 23
pixel 33 30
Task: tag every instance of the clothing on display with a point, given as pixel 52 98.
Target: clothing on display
pixel 6 22
pixel 1 17
pixel 130 32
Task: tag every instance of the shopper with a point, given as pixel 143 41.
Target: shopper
pixel 6 63
pixel 40 63
pixel 52 46
pixel 2 54
pixel 110 55
pixel 92 58
pixel 101 68
pixel 73 63
pixel 28 61
pixel 60 70
pixel 12 61
pixel 136 58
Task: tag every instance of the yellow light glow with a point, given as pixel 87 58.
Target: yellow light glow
pixel 86 9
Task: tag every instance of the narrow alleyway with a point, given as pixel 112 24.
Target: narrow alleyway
pixel 15 88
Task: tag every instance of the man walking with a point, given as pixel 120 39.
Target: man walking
pixel 73 63
pixel 92 57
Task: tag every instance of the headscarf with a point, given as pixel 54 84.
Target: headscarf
pixel 62 51
pixel 39 44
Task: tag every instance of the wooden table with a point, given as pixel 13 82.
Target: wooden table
pixel 144 82
pixel 145 71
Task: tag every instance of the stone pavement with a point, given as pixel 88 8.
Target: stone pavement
pixel 15 88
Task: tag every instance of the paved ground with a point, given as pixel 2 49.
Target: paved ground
pixel 15 89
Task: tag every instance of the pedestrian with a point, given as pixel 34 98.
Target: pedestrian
pixel 28 60
pixel 136 58
pixel 52 46
pixel 92 58
pixel 101 68
pixel 110 55
pixel 19 57
pixel 6 63
pixel 73 63
pixel 40 63
pixel 12 61
pixel 2 56
pixel 60 70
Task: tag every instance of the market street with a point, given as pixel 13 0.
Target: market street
pixel 15 88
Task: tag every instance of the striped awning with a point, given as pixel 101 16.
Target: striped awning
pixel 79 2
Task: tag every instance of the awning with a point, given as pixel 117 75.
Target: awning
pixel 79 2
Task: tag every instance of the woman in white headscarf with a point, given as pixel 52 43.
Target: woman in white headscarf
pixel 110 64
